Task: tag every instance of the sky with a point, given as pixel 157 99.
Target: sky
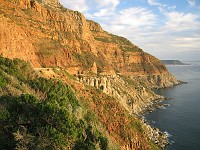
pixel 167 29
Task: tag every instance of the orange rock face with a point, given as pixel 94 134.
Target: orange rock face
pixel 46 34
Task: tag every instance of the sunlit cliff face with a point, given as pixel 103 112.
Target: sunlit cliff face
pixel 64 38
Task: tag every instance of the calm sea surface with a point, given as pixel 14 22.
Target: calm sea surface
pixel 181 120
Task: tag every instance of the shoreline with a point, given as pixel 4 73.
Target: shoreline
pixel 160 138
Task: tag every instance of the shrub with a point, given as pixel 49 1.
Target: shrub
pixel 2 82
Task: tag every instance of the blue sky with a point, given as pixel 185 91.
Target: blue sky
pixel 167 29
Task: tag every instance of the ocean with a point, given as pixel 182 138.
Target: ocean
pixel 180 120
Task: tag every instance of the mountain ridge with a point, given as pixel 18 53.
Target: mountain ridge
pixel 74 38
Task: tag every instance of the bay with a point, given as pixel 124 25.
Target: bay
pixel 181 120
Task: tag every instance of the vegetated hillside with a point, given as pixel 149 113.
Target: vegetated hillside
pixel 96 108
pixel 47 34
pixel 40 113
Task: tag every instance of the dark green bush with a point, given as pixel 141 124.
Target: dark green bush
pixel 2 81
pixel 17 68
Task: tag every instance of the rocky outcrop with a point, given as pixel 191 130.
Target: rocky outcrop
pixel 155 81
pixel 156 135
pixel 94 68
pixel 133 96
pixel 52 3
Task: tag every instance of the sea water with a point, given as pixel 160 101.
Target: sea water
pixel 181 119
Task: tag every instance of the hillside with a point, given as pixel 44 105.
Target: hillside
pixel 65 83
pixel 40 113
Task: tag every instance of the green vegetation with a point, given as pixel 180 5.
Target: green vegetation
pixel 17 68
pixel 138 126
pixel 120 40
pixel 124 43
pixel 46 114
pixel 47 122
pixel 130 48
pixel 2 81
pixel 94 31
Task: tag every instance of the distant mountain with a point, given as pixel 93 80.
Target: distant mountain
pixel 172 62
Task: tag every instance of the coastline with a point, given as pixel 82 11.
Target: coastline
pixel 161 139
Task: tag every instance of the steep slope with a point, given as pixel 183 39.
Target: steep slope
pixel 50 35
pixel 57 41
pixel 39 113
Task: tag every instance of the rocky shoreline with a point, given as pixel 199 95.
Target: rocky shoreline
pixel 154 134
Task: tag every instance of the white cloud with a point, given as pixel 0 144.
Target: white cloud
pixel 105 12
pixel 155 3
pixel 79 5
pixel 192 2
pixel 105 7
pixel 161 7
pixel 180 21
pixel 171 7
pixel 135 17
pixel 105 3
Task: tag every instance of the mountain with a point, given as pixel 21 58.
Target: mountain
pixel 172 62
pixel 74 69
pixel 49 35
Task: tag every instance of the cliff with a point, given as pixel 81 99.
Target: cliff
pixel 110 74
pixel 50 35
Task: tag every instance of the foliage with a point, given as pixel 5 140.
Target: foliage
pixel 130 48
pixel 2 81
pixel 55 91
pixel 27 122
pixel 120 40
pixel 49 123
pixel 33 124
pixel 103 39
pixel 16 67
pixel 138 126
pixel 28 116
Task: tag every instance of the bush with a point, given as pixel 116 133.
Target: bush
pixel 17 68
pixel 2 82
pixel 29 123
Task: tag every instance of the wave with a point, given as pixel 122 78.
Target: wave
pixel 168 134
